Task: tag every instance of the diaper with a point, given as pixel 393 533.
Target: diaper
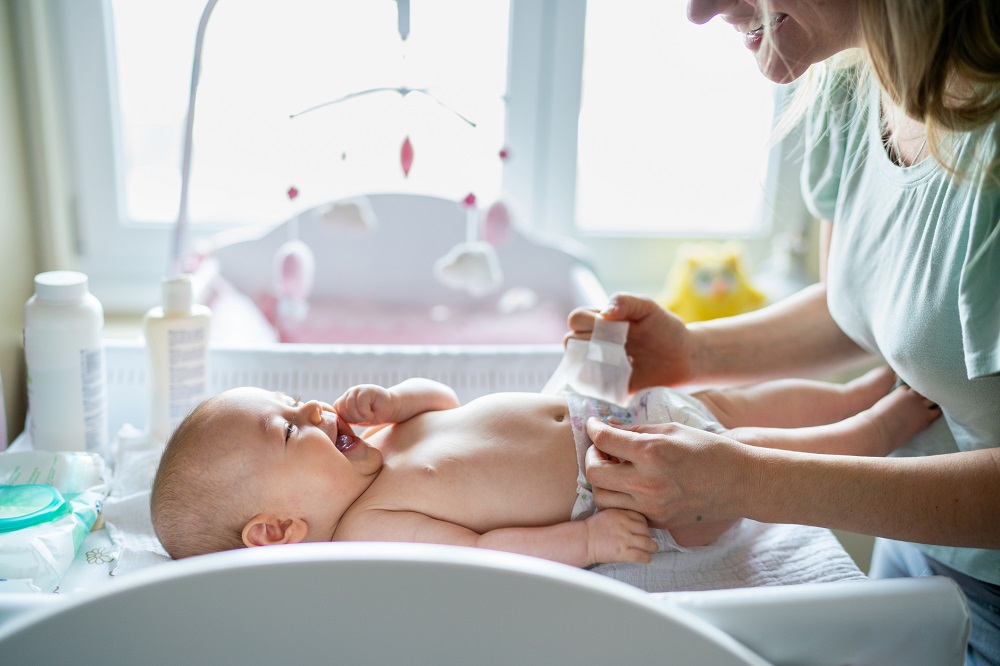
pixel 651 406
pixel 593 376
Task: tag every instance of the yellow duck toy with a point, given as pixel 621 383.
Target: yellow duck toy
pixel 708 282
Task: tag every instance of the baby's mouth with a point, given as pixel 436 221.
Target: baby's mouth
pixel 346 442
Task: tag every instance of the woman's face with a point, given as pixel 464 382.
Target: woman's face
pixel 801 32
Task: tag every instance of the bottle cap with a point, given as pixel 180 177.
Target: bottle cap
pixel 60 286
pixel 29 504
pixel 178 294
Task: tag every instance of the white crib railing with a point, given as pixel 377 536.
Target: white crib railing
pixel 324 372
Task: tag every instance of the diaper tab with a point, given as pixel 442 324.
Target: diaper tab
pixel 598 367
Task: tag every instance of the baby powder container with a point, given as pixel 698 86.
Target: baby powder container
pixel 64 354
pixel 177 347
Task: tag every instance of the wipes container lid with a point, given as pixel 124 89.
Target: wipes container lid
pixel 29 504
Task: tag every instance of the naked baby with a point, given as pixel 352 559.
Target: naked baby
pixel 251 467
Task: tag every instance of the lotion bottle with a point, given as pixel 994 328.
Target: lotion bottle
pixel 64 355
pixel 177 348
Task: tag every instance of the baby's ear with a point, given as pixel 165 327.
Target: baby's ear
pixel 267 529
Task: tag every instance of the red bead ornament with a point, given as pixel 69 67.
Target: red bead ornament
pixel 406 156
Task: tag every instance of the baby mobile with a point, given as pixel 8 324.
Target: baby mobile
pixel 471 266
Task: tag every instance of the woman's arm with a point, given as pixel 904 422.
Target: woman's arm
pixel 676 475
pixel 794 337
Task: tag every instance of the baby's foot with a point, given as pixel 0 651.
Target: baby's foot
pixel 899 416
pixel 863 392
pixel 700 534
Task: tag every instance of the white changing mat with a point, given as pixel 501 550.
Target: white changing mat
pixel 750 554
pixel 126 509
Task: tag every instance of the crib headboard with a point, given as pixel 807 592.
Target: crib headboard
pixel 397 256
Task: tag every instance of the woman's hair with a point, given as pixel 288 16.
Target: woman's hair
pixel 938 59
pixel 199 502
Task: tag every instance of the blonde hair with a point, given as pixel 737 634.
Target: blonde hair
pixel 938 59
pixel 199 502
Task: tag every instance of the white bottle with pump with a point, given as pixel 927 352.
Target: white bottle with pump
pixel 177 347
pixel 64 355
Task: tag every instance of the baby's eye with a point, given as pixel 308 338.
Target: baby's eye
pixel 289 429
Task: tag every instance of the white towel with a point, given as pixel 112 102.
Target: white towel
pixel 126 510
pixel 750 554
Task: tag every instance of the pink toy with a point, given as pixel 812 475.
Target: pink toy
pixel 496 225
pixel 293 270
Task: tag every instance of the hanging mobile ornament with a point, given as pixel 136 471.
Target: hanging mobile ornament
pixel 497 223
pixel 472 266
pixel 293 271
pixel 406 156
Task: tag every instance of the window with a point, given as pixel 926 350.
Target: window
pixel 265 63
pixel 622 122
pixel 671 114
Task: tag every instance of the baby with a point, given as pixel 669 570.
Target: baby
pixel 251 467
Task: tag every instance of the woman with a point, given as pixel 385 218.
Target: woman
pixel 902 128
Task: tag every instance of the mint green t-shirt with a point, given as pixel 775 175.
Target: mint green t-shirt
pixel 914 271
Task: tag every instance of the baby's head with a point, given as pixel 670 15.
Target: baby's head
pixel 251 467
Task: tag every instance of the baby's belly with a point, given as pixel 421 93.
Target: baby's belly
pixel 501 461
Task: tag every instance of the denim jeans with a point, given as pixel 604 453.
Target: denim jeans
pixel 896 559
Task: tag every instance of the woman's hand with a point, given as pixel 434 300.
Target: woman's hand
pixel 672 474
pixel 659 344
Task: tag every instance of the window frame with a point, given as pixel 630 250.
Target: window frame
pixel 126 259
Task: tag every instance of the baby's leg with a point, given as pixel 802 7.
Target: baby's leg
pixel 876 431
pixel 796 403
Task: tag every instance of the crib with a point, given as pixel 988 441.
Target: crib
pixel 381 278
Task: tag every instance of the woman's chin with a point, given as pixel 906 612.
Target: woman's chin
pixel 777 70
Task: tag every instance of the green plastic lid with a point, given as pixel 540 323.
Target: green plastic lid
pixel 29 504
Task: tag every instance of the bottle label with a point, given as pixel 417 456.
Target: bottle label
pixel 95 408
pixel 187 352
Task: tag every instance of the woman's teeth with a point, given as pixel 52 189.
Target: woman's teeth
pixel 757 27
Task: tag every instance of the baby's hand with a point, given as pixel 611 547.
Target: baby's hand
pixel 617 535
pixel 366 404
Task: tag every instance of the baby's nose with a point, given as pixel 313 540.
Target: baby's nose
pixel 313 411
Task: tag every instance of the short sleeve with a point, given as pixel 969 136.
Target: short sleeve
pixel 979 300
pixel 825 136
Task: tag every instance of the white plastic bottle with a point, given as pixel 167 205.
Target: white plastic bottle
pixel 177 347
pixel 64 354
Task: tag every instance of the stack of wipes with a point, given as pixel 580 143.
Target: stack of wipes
pixel 34 558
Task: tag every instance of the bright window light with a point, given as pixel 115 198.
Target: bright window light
pixel 265 61
pixel 674 124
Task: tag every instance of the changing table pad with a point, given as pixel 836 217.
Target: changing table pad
pixel 751 554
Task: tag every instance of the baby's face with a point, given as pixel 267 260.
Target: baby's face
pixel 306 459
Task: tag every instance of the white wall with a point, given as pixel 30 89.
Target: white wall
pixel 17 237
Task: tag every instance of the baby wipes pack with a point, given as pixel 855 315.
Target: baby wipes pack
pixel 49 501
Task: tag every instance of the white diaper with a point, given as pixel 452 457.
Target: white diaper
pixel 594 376
pixel 651 406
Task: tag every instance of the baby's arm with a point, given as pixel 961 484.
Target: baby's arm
pixel 613 535
pixel 877 431
pixel 368 404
